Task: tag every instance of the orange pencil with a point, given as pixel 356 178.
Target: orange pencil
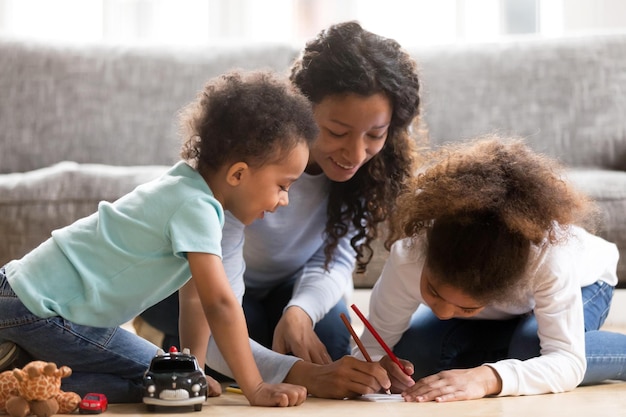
pixel 355 337
pixel 358 341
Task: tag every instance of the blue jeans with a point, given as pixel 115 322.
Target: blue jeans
pixel 106 360
pixel 264 311
pixel 434 345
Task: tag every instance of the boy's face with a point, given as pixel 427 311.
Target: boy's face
pixel 353 129
pixel 266 188
pixel 446 301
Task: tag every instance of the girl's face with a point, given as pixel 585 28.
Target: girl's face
pixel 445 301
pixel 266 188
pixel 353 129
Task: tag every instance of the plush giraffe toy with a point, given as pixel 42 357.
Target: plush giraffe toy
pixel 36 389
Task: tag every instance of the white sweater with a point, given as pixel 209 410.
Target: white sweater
pixel 554 295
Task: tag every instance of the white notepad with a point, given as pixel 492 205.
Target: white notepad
pixel 381 397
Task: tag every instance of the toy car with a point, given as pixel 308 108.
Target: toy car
pixel 93 403
pixel 174 379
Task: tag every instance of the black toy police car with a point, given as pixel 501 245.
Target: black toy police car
pixel 174 379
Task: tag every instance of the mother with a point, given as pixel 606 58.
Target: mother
pixel 297 262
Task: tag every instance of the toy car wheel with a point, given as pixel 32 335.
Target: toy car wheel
pixel 197 407
pixel 151 407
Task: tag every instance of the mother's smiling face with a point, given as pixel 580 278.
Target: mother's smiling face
pixel 353 129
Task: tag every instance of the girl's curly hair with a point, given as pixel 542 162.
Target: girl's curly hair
pixel 344 59
pixel 481 206
pixel 256 117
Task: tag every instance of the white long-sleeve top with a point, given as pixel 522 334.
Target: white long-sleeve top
pixel 556 274
pixel 284 244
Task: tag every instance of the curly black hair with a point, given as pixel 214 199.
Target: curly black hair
pixel 256 117
pixel 343 59
pixel 481 206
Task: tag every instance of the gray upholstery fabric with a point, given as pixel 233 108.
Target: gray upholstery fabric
pixel 608 189
pixel 33 204
pixel 566 97
pixel 116 106
pixel 109 105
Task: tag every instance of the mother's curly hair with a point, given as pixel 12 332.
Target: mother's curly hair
pixel 345 59
pixel 481 206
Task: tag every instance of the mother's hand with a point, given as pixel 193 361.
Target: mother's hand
pixel 347 377
pixel 294 334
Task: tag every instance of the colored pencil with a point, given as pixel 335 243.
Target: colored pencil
pixel 358 342
pixel 234 389
pixel 355 337
pixel 379 339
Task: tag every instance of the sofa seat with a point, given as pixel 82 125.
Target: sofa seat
pixel 36 202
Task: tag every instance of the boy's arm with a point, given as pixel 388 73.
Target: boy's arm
pixel 225 317
pixel 193 329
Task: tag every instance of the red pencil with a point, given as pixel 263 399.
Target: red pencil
pixel 358 342
pixel 379 339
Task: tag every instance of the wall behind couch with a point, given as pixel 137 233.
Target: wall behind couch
pixel 414 22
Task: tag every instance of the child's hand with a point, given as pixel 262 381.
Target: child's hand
pixel 399 380
pixel 277 395
pixel 455 385
pixel 214 387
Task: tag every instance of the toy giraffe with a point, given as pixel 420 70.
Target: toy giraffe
pixel 36 389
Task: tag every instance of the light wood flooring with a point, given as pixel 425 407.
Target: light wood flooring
pixel 607 400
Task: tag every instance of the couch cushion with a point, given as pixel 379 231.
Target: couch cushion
pixel 34 203
pixel 608 189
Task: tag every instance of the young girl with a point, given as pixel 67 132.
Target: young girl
pixel 510 292
pixel 246 143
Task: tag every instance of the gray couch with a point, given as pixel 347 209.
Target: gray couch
pixel 81 124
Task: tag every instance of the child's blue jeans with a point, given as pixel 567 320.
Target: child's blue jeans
pixel 111 361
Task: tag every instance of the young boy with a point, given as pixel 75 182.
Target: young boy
pixel 246 142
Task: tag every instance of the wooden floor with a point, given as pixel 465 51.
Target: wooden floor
pixel 607 400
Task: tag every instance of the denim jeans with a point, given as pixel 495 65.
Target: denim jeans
pixel 264 311
pixel 434 345
pixel 262 314
pixel 106 360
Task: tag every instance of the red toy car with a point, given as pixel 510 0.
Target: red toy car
pixel 93 403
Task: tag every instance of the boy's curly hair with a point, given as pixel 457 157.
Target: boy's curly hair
pixel 345 59
pixel 481 206
pixel 255 117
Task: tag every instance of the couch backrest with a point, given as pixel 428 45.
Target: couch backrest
pixel 106 104
pixel 566 96
pixel 117 105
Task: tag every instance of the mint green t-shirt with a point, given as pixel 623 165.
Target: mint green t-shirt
pixel 106 268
